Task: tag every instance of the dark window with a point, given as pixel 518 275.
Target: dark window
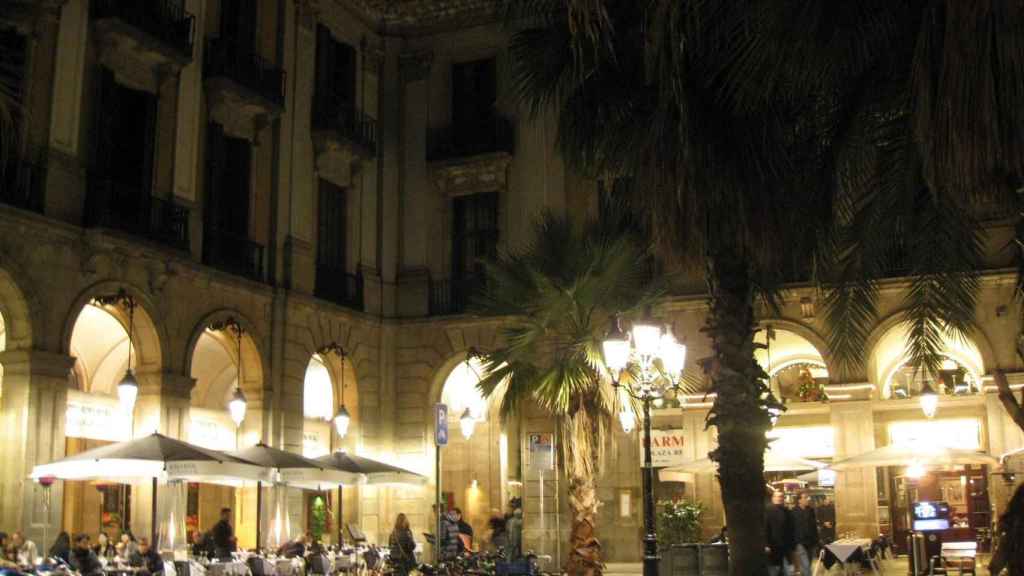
pixel 335 75
pixel 229 160
pixel 474 93
pixel 238 23
pixel 475 234
pixel 125 134
pixel 12 67
pixel 330 247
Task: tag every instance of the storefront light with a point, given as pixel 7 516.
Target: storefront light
pixel 929 400
pixel 916 470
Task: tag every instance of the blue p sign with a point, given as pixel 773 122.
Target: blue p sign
pixel 441 424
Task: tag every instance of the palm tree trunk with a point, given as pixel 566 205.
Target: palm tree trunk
pixel 738 411
pixel 584 549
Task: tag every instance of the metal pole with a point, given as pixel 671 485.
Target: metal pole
pixel 341 516
pixel 153 528
pixel 259 513
pixel 650 532
pixel 437 504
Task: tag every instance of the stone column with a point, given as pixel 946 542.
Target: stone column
pixel 856 489
pixel 34 403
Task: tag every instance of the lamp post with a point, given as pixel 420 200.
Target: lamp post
pixel 652 360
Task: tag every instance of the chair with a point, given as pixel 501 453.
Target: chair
pixel 956 558
pixel 319 565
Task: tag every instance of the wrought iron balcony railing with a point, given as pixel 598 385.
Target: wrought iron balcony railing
pixel 129 208
pixel 336 285
pixel 231 60
pixel 350 123
pixel 165 20
pixel 232 253
pixel 485 136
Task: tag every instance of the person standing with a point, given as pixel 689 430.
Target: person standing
pixel 499 534
pixel 515 535
pixel 805 528
pixel 827 516
pixel 402 547
pixel 450 542
pixel 779 534
pixel 1009 553
pixel 223 535
pixel 465 530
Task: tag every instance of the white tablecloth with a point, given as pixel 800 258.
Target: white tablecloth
pixel 845 548
pixel 227 569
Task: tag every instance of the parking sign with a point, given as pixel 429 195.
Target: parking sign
pixel 441 424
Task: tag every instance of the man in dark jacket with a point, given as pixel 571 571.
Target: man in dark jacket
pixel 83 559
pixel 779 538
pixel 450 542
pixel 223 535
pixel 805 525
pixel 147 559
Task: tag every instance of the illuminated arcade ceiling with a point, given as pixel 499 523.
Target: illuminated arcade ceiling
pixel 420 16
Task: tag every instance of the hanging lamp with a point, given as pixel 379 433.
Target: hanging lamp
pixel 238 405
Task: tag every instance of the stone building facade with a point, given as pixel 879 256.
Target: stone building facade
pixel 306 173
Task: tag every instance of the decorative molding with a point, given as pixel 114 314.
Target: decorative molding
pixel 336 158
pixel 242 113
pixel 485 173
pixel 137 60
pixel 415 66
pixel 807 307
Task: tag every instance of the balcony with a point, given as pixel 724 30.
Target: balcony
pixel 233 253
pixel 335 285
pixel 343 136
pixel 246 91
pixel 130 209
pixel 142 41
pixel 471 159
pixel 452 295
pixel 21 186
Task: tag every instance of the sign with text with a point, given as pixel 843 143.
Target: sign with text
pixel 542 451
pixel 95 418
pixel 440 424
pixel 666 447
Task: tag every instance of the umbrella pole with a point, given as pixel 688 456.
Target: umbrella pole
pixel 341 515
pixel 153 530
pixel 259 515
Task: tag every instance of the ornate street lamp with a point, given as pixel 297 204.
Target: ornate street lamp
pixel 467 423
pixel 652 360
pixel 128 387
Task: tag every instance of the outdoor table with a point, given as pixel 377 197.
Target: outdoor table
pixel 289 567
pixel 227 569
pixel 849 553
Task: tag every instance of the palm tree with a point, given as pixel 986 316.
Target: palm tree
pixel 840 147
pixel 556 296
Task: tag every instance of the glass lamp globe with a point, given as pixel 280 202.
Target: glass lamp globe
pixel 128 391
pixel 673 354
pixel 929 401
pixel 628 420
pixel 616 349
pixel 647 338
pixel 237 406
pixel 467 423
pixel 341 421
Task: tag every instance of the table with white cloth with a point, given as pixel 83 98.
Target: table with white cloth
pixel 289 567
pixel 850 554
pixel 227 569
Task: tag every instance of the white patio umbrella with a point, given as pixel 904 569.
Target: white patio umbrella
pixel 290 469
pixel 376 472
pixel 155 457
pixel 773 462
pixel 922 455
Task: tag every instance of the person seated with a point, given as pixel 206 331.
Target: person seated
pixel 25 550
pixel 83 559
pixel 297 547
pixel 202 545
pixel 104 548
pixel 61 549
pixel 4 545
pixel 147 559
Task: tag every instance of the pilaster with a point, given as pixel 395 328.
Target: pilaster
pixel 856 489
pixel 32 416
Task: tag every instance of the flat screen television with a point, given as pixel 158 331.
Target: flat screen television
pixel 930 516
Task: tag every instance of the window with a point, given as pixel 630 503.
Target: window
pixel 229 160
pixel 474 93
pixel 238 23
pixel 125 135
pixel 331 228
pixel 12 63
pixel 335 75
pixel 475 234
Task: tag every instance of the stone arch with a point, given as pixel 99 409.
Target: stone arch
pixel 814 344
pixel 150 334
pixel 16 309
pixel 218 341
pixel 886 354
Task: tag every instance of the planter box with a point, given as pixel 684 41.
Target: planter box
pixel 680 560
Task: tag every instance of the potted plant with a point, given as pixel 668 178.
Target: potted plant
pixel 679 530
